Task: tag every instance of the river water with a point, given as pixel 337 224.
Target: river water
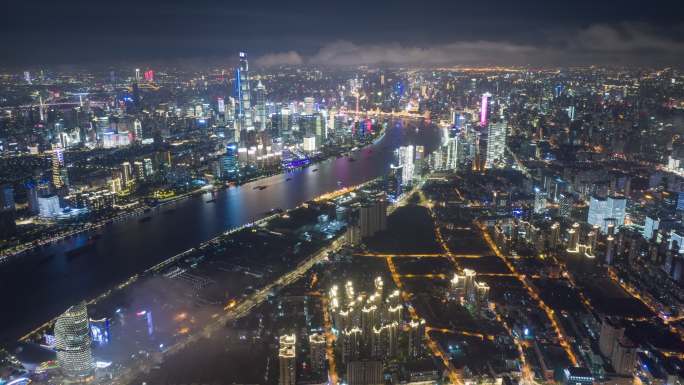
pixel 43 283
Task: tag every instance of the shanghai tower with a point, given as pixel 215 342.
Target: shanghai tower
pixel 243 107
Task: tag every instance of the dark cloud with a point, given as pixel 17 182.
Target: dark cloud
pixel 43 32
pixel 597 44
pixel 289 58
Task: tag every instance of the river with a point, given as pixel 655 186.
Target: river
pixel 43 283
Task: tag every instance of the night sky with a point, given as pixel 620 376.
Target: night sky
pixel 429 32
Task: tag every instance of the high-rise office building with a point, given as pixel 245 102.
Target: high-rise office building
pixel 405 161
pixel 284 123
pixel 308 106
pixel 229 162
pixel 60 177
pixel 605 210
pixel 221 106
pixel 496 144
pixel 127 174
pixel 149 169
pixel 137 130
pixel 484 106
pixel 260 106
pixel 539 201
pixel 72 342
pixel 243 109
pixel 564 205
pixel 139 170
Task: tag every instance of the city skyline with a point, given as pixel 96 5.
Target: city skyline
pixel 352 193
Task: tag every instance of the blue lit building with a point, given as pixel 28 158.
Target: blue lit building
pixel 230 168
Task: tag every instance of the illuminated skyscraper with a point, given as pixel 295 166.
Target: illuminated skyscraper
pixel 72 342
pixel 221 105
pixel 60 177
pixel 496 144
pixel 484 105
pixel 454 152
pixel 539 201
pixel 243 108
pixel 127 174
pixel 404 157
pixel 603 209
pixel 308 106
pixel 139 170
pixel 149 169
pixel 260 101
pixel 284 123
pixel 229 162
pixel 137 130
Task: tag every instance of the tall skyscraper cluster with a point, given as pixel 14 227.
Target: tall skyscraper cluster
pixel 368 324
pixel 451 154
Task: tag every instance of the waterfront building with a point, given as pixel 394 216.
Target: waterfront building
pixel 72 343
pixel 229 166
pixel 48 206
pixel 404 156
pixel 243 106
pixel 60 177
